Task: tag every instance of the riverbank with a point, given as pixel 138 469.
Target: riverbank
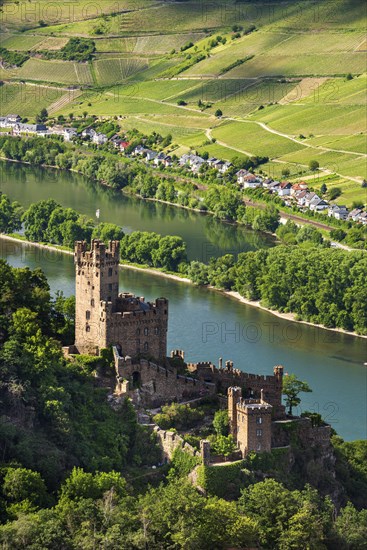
pixel 156 272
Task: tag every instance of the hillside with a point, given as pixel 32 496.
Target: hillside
pixel 289 77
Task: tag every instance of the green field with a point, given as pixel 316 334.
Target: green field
pixel 64 72
pixel 254 139
pixel 31 98
pixel 112 71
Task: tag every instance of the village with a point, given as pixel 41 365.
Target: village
pixel 294 195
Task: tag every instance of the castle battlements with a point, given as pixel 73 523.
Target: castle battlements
pixel 104 317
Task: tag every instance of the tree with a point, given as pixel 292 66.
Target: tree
pixel 24 489
pixel 292 387
pixel 334 193
pixel 42 116
pixel 10 215
pixel 221 423
pixel 107 232
pixel 218 113
pixel 286 172
pixel 313 165
pixel 323 189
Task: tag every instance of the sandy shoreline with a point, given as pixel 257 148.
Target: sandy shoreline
pixel 230 293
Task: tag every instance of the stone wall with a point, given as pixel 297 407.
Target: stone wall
pixel 251 384
pixel 169 441
pixel 157 385
pixel 138 327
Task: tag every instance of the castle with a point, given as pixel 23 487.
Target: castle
pixel 250 421
pixel 136 331
pixel 104 317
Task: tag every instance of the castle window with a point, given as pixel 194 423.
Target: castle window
pixel 259 420
pixel 92 302
pixel 146 346
pixel 156 330
pixel 87 315
pixel 138 331
pixel 87 328
pixel 146 331
pixel 97 274
pixel 110 271
pixel 110 286
pixel 258 447
pixel 259 433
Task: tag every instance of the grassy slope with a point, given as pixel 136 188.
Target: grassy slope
pixel 292 42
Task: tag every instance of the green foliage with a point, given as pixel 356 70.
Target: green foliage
pixel 235 64
pixel 153 249
pixel 180 417
pixel 10 214
pixel 292 387
pixel 12 59
pixel 107 232
pixel 224 481
pixel 222 445
pixel 183 462
pixel 21 484
pixel 221 422
pixel 351 469
pixel 334 193
pixel 313 165
pixel 287 519
pixel 76 49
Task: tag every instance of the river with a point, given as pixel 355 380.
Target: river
pixel 208 324
pixel 205 236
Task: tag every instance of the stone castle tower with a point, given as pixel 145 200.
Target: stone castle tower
pixel 104 317
pixel 249 421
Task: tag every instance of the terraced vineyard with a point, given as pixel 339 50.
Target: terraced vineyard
pixel 277 71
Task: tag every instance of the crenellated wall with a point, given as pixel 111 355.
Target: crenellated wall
pixel 250 384
pixel 158 385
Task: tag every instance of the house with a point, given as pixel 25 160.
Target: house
pixel 3 122
pixel 124 145
pixel 116 140
pixel 317 204
pixel 69 133
pixel 273 186
pixel 338 212
pixel 300 197
pixel 363 218
pixel 184 159
pixel 99 138
pixel 267 182
pixel 284 188
pixel 302 186
pixel 309 197
pixel 355 214
pixel 88 132
pixel 240 175
pixel 251 181
pixel 225 167
pixel 163 159
pixel 13 119
pixel 22 128
pixel 212 161
pixel 150 155
pixel 139 150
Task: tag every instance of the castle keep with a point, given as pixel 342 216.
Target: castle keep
pixel 104 317
pixel 250 421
